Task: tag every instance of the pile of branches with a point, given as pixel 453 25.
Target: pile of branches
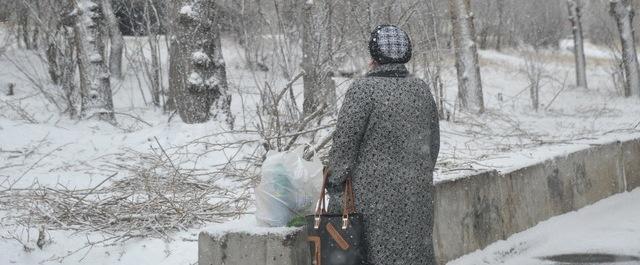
pixel 156 197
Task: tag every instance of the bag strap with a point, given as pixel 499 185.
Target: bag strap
pixel 321 208
pixel 348 198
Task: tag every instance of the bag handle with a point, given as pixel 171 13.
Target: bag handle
pixel 348 200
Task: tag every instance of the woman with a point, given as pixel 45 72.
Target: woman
pixel 387 140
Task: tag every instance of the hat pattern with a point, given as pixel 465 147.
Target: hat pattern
pixel 390 44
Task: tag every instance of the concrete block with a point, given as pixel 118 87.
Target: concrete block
pixel 244 248
pixel 476 211
pixel 472 212
pixel 528 196
pixel 631 163
pixel 595 174
pixel 211 251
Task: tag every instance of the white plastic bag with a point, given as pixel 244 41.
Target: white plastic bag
pixel 290 186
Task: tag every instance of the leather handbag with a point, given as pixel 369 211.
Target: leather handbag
pixel 336 239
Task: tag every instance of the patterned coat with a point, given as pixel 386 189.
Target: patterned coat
pixel 387 138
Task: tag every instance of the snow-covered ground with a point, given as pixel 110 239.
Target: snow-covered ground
pixel 38 145
pixel 80 248
pixel 512 135
pixel 608 227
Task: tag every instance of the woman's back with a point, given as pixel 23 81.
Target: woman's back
pixel 387 141
pixel 402 122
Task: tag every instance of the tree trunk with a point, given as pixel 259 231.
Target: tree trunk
pixel 464 38
pixel 152 40
pixel 67 63
pixel 23 22
pixel 95 86
pixel 500 24
pixel 534 92
pixel 116 39
pixel 623 13
pixel 52 60
pixel 484 37
pixel 10 92
pixel 67 80
pixel 197 74
pixel 310 79
pixel 319 90
pixel 435 70
pixel 575 16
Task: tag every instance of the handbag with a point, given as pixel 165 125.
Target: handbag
pixel 336 239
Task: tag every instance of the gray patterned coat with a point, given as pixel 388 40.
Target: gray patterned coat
pixel 387 138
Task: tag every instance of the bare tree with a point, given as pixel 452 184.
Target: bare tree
pixel 469 80
pixel 534 70
pixel 623 13
pixel 116 40
pixel 434 63
pixel 575 16
pixel 155 70
pixel 95 86
pixel 197 75
pixel 319 89
pixel 46 26
pixel 25 29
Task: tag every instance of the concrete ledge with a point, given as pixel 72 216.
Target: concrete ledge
pixel 475 211
pixel 631 162
pixel 244 248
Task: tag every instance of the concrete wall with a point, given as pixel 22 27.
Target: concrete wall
pixel 242 248
pixel 475 211
pixel 631 163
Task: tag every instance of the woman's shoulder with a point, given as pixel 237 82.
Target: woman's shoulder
pixel 372 81
pixel 417 80
pixel 362 84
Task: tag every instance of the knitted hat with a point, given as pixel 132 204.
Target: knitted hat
pixel 390 44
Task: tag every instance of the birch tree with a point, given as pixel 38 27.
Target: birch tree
pixel 197 74
pixel 115 38
pixel 575 16
pixel 468 68
pixel 623 13
pixel 95 86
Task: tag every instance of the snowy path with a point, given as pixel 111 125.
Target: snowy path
pixel 607 232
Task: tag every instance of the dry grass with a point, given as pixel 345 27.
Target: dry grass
pixel 154 198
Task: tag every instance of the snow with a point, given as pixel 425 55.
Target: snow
pixel 511 135
pixel 200 58
pixel 247 224
pixel 188 10
pixel 56 150
pixel 212 82
pixel 195 79
pixel 610 226
pixel 69 248
pixel 590 50
pixel 95 58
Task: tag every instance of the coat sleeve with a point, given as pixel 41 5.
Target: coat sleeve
pixel 435 136
pixel 350 129
pixel 434 128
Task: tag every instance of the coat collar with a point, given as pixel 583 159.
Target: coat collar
pixel 389 70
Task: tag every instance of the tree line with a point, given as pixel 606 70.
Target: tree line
pixel 83 43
